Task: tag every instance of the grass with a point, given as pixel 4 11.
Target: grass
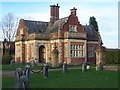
pixel 112 64
pixel 0 83
pixel 74 78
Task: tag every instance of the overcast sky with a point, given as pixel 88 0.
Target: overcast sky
pixel 105 12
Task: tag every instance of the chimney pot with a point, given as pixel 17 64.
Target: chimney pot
pixel 54 13
pixel 73 11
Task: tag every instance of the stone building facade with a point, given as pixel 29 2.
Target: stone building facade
pixel 73 42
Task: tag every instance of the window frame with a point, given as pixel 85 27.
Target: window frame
pixel 77 51
pixel 91 51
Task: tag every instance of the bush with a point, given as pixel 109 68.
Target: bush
pixel 113 57
pixel 6 59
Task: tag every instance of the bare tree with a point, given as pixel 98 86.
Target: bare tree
pixel 9 26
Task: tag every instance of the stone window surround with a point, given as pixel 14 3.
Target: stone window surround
pixel 77 51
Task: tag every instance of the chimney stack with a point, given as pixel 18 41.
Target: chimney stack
pixel 73 11
pixel 54 13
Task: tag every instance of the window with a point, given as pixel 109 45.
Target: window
pixel 71 50
pixel 91 51
pixel 76 51
pixel 82 54
pixel 72 28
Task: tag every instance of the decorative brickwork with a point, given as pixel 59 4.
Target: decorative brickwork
pixel 75 42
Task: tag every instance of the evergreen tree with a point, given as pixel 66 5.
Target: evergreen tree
pixel 93 23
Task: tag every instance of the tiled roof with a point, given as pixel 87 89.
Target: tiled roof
pixel 39 36
pixel 36 26
pixel 58 24
pixel 89 30
pixel 44 28
pixel 91 33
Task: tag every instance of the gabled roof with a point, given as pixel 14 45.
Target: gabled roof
pixel 43 28
pixel 36 26
pixel 58 24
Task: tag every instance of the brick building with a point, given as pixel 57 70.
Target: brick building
pixel 64 39
pixel 8 47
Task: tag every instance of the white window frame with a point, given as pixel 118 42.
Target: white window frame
pixel 76 51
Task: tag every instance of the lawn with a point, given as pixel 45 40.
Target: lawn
pixel 74 78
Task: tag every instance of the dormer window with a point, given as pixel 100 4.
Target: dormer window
pixel 72 28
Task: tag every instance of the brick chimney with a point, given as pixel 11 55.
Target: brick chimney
pixel 54 13
pixel 73 11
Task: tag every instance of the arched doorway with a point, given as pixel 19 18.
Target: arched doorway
pixel 41 54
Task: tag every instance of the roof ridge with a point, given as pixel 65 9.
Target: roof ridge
pixel 35 21
pixel 64 17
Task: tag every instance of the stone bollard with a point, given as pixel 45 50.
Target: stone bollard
pixel 45 71
pixel 27 71
pixel 84 66
pixel 37 63
pixel 11 63
pixel 33 63
pixel 22 80
pixel 64 67
pixel 18 74
pixel 25 77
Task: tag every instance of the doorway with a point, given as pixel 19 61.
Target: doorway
pixel 41 54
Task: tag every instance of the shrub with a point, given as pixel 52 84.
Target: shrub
pixel 113 56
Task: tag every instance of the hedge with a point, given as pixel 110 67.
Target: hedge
pixel 112 57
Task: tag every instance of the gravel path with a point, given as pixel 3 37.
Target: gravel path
pixel 7 73
pixel 11 73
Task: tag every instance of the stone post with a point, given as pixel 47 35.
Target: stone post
pixel 99 67
pixel 55 56
pixel 26 76
pixel 11 63
pixel 22 80
pixel 27 71
pixel 45 71
pixel 23 83
pixel 33 63
pixel 64 67
pixel 100 57
pixel 84 66
pixel 18 74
